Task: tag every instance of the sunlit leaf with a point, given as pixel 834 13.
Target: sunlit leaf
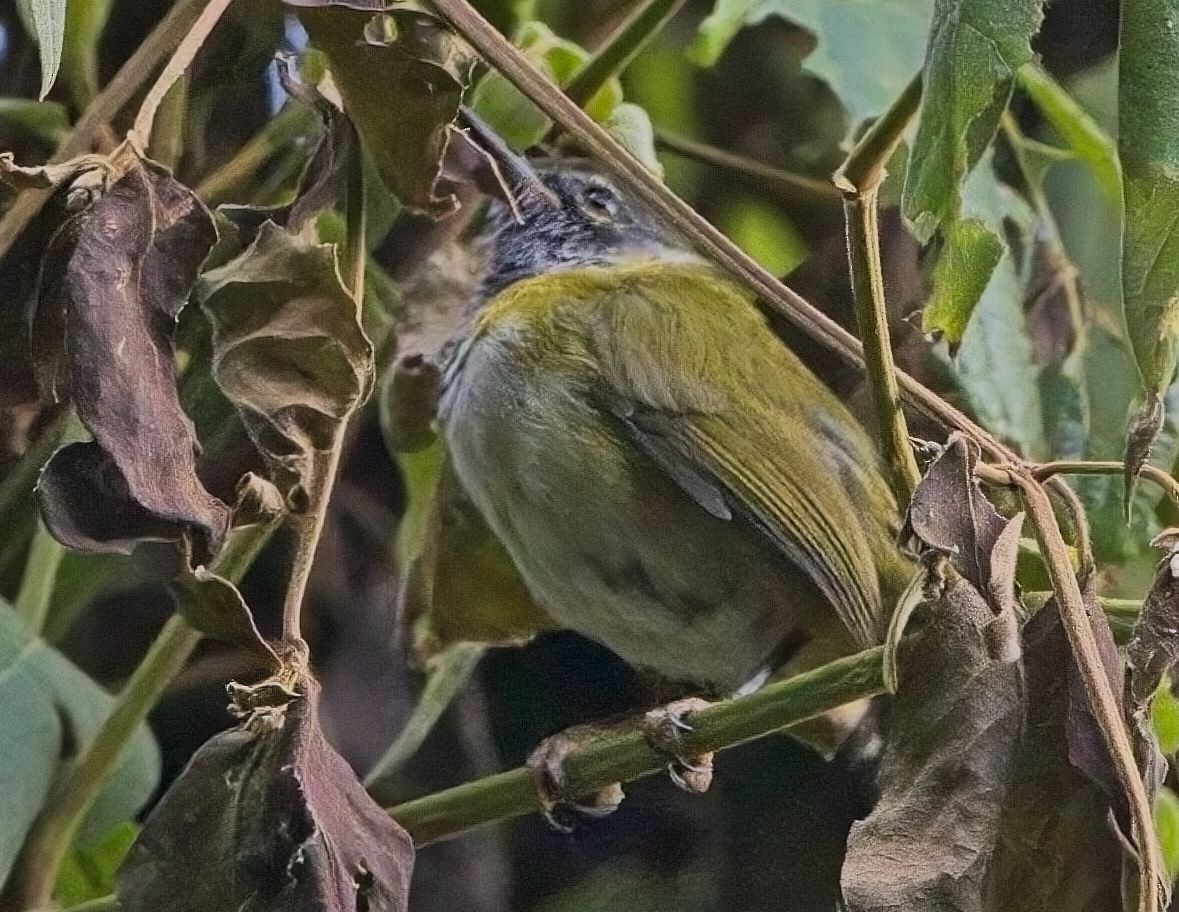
pixel 88 872
pixel 867 50
pixel 46 22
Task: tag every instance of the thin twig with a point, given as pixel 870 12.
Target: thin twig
pixel 617 51
pixel 791 187
pixel 621 756
pixel 859 179
pixel 122 87
pixel 1078 467
pixel 176 67
pixel 1099 691
pixel 639 181
pixel 76 789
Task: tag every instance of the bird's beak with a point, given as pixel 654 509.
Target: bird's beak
pixel 518 176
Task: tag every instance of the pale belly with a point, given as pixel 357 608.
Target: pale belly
pixel 611 547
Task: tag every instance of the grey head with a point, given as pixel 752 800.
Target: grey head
pixel 568 216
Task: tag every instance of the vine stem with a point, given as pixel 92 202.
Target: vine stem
pixel 35 595
pixel 76 789
pixel 624 755
pixel 481 35
pixel 859 179
pixel 122 87
pixel 791 187
pixel 1099 690
pixel 176 67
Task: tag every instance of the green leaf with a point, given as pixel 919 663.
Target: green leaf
pixel 511 114
pixel 764 233
pixel 960 277
pixel 47 708
pixel 405 61
pixel 1166 824
pixel 631 127
pixel 975 47
pixel 46 120
pixel 866 50
pixel 85 20
pixel 1164 716
pixel 88 872
pixel 1081 134
pixel 46 22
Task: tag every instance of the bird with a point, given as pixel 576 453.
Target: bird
pixel 669 479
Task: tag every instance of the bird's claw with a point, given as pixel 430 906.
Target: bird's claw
pixel 547 764
pixel 665 728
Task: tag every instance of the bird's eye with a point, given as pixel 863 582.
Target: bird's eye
pixel 598 201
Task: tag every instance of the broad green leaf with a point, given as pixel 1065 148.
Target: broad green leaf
pixel 88 872
pixel 46 22
pixel 47 708
pixel 511 114
pixel 1081 134
pixel 764 233
pixel 631 126
pixel 866 50
pixel 975 47
pixel 405 61
pixel 46 120
pixel 1148 142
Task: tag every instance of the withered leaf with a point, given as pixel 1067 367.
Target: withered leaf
pixel 214 606
pixel 268 817
pixel 288 349
pixel 113 281
pixel 1057 848
pixel 1154 646
pixel 949 514
pixel 946 768
pixel 404 60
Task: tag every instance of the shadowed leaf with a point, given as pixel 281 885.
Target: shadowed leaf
pixel 268 817
pixel 113 281
pixel 402 60
pixel 214 606
pixel 288 349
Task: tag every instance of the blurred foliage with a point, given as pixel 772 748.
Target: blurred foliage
pixel 1013 311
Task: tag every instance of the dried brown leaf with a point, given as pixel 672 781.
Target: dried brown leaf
pixel 214 606
pixel 113 281
pixel 268 817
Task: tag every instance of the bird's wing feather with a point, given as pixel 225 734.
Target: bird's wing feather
pixel 662 381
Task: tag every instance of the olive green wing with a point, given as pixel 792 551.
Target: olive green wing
pixel 691 370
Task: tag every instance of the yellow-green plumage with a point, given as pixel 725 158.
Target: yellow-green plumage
pixel 670 479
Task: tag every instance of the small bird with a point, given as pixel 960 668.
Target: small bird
pixel 669 479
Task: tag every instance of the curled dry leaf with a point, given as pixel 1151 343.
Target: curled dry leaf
pixel 213 605
pixel 268 817
pixel 113 280
pixel 288 349
pixel 1154 645
pixel 402 59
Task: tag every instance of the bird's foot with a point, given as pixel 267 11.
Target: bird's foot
pixel 665 728
pixel 553 790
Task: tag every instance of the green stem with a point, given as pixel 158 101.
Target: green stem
pixel 621 756
pixel 291 122
pixel 122 87
pixel 617 52
pixel 167 141
pixel 21 478
pixel 40 576
pixel 76 789
pixel 859 179
pixel 481 35
pixel 794 188
pixel 1102 701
